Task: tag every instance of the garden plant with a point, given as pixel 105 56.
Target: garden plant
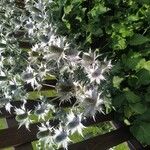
pixel 97 51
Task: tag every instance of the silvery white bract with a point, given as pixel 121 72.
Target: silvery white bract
pixel 31 50
pixel 22 116
pixel 74 123
pixel 42 110
pixel 45 134
pixel 61 137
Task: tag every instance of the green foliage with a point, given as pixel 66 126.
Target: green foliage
pixel 120 30
pixel 142 131
pixel 138 39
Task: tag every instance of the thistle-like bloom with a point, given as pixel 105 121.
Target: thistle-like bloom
pixel 42 70
pixel 23 116
pixel 5 101
pixel 56 49
pixel 92 102
pixel 30 26
pixel 29 76
pixel 72 56
pixel 95 74
pixel 74 123
pixel 89 58
pixel 42 110
pixel 65 89
pixel 45 134
pixel 8 107
pixel 61 138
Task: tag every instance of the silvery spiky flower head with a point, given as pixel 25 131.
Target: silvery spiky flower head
pixel 61 137
pixel 23 116
pixel 65 89
pixel 42 110
pixel 95 74
pixel 30 26
pixel 51 55
pixel 56 49
pixel 74 123
pixel 73 57
pixel 5 101
pixel 45 134
pixel 89 58
pixel 29 76
pixel 92 102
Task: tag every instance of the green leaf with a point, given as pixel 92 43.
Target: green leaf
pixel 143 64
pixel 118 100
pixel 116 81
pixel 143 76
pixel 119 43
pixel 138 108
pixel 128 112
pixel 132 97
pixel 141 130
pixel 131 60
pixel 147 97
pixel 146 65
pixel 68 9
pixel 138 39
pixel 98 9
pixel 95 29
pixel 143 1
pixel 145 116
pixel 133 81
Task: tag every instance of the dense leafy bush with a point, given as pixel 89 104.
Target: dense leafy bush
pixel 120 30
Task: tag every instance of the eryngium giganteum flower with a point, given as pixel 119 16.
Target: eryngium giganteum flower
pixel 77 74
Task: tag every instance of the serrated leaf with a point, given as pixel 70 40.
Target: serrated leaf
pixel 143 76
pixel 98 10
pixel 141 131
pixel 118 100
pixel 128 112
pixel 68 9
pixel 145 116
pixel 131 97
pixel 131 60
pixel 133 81
pixel 138 39
pixel 138 108
pixel 147 97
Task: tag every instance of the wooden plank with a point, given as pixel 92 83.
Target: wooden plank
pixel 30 105
pixel 20 136
pixel 16 137
pixel 11 122
pixel 26 146
pixel 45 86
pixel 133 144
pixel 103 142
